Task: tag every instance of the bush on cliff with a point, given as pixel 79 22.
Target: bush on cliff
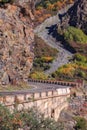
pixel 38 75
pixel 74 34
pixel 4 1
pixel 77 68
pixel 81 123
pixel 5 118
pixel 44 54
pixel 7 1
pixel 29 119
pixel 80 58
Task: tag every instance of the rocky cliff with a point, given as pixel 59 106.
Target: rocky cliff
pixel 16 41
pixel 76 16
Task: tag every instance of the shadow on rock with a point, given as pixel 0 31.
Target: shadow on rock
pixel 52 30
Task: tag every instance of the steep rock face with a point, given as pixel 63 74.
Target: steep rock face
pixel 76 15
pixel 16 42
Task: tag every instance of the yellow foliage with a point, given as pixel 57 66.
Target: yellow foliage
pixel 83 67
pixel 38 75
pixel 47 59
pixel 59 4
pixel 68 70
pixel 50 7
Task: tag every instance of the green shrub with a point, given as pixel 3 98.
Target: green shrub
pixel 74 34
pixel 77 68
pixel 38 75
pixel 4 1
pixel 80 58
pixel 44 54
pixel 81 74
pixel 27 118
pixel 40 65
pixel 7 1
pixel 81 123
pixel 5 118
pixel 42 49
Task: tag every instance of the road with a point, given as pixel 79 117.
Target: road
pixel 36 88
pixel 61 59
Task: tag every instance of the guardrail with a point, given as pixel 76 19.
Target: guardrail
pixel 63 83
pixel 31 97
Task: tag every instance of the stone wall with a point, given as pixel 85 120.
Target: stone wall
pixel 48 103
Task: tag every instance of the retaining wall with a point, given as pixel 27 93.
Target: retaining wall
pixel 48 103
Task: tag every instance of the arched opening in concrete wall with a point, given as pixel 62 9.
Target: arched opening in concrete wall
pixel 46 93
pixel 52 113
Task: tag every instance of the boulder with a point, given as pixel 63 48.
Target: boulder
pixel 5 79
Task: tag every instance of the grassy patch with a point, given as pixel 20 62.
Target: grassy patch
pixel 81 123
pixel 38 75
pixel 52 4
pixel 76 35
pixel 21 86
pixel 42 49
pixel 76 69
pixel 77 40
pixel 44 55
pixel 25 119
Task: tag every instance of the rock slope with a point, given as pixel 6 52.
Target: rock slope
pixel 76 15
pixel 16 42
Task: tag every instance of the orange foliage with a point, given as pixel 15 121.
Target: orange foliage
pixel 41 13
pixel 16 120
pixel 58 5
pixel 47 59
pixel 50 7
pixel 46 16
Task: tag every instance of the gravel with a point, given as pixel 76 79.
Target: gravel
pixel 63 54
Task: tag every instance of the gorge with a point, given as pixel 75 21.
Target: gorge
pixel 17 30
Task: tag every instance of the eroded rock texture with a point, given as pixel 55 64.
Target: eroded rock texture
pixel 76 15
pixel 16 42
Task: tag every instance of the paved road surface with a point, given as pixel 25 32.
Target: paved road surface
pixel 37 87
